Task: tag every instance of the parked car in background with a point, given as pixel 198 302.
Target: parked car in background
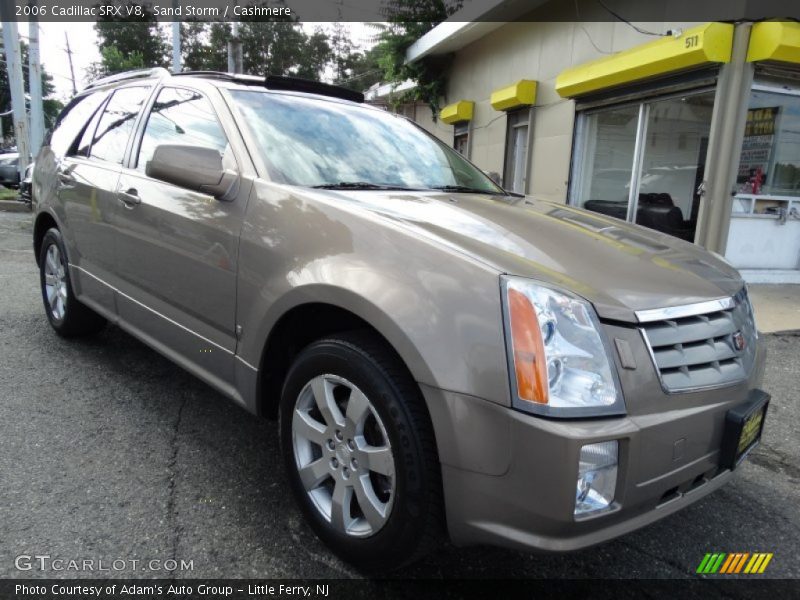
pixel 443 357
pixel 9 170
pixel 25 184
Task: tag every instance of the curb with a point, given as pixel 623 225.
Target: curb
pixel 13 206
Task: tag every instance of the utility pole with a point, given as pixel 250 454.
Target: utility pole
pixel 176 41
pixel 176 47
pixel 35 86
pixel 15 82
pixel 71 69
pixel 235 50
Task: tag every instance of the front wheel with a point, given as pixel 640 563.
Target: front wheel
pixel 359 450
pixel 67 315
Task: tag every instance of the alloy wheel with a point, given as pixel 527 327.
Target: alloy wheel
pixel 343 455
pixel 55 283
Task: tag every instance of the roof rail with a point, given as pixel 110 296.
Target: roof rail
pixel 278 82
pixel 137 74
pixel 237 77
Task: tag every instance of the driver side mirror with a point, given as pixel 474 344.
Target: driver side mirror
pixel 193 167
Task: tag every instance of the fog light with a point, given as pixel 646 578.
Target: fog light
pixel 597 477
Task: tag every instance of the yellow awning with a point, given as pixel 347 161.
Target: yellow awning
pixel 774 40
pixel 457 112
pixel 709 43
pixel 522 93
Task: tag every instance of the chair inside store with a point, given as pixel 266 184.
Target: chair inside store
pixel 655 210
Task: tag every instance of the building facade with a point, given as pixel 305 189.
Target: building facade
pixel 690 128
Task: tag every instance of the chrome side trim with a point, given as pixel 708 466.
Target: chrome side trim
pixel 246 364
pixel 155 312
pixel 687 310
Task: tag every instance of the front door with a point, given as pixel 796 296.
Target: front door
pixel 177 248
pixel 87 180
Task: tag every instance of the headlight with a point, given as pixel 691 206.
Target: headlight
pixel 558 361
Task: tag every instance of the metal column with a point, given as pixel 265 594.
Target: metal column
pixel 725 144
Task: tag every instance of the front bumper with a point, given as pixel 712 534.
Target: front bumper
pixel 509 478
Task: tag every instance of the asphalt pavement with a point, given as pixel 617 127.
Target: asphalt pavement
pixel 110 452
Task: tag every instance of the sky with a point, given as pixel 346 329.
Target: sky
pixel 83 43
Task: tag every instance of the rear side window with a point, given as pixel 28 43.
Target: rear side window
pixel 72 121
pixel 116 124
pixel 183 117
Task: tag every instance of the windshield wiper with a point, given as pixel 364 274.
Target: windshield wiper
pixel 465 189
pixel 359 185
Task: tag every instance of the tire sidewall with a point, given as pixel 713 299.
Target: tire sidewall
pixel 53 238
pixel 398 534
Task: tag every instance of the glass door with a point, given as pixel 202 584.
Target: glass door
pixel 644 162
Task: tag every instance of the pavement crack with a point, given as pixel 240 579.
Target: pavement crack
pixel 686 571
pixel 172 515
pixel 775 461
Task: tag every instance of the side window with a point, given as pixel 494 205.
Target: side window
pixel 182 117
pixel 116 124
pixel 82 146
pixel 72 121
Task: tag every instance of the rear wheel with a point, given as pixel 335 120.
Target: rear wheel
pixel 67 315
pixel 359 451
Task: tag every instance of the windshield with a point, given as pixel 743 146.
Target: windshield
pixel 309 142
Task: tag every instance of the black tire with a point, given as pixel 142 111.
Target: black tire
pixel 77 319
pixel 414 525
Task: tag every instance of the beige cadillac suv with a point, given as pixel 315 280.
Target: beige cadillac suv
pixel 444 357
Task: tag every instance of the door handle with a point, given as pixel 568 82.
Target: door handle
pixel 129 197
pixel 65 179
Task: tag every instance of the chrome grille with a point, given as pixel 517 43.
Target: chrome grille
pixel 693 351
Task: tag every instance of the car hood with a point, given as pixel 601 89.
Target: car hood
pixel 619 267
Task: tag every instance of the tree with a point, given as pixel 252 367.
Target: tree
pixel 361 69
pixel 408 21
pixel 276 47
pixel 128 45
pixel 51 106
pixel 283 48
pixel 204 46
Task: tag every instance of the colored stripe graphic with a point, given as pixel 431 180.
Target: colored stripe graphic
pixel 703 563
pixel 715 567
pixel 730 562
pixel 764 564
pixel 734 563
pixel 741 562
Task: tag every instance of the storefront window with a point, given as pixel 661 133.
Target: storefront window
pixel 764 230
pixel 673 163
pixel 461 138
pixel 770 160
pixel 604 162
pixel 516 151
pixel 665 172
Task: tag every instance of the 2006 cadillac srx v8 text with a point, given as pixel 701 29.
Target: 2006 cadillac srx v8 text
pixel 444 358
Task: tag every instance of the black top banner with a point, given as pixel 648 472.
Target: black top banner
pixel 400 10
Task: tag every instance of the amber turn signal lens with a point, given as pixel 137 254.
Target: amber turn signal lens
pixel 529 356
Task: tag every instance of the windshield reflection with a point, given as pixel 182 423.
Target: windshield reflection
pixel 314 142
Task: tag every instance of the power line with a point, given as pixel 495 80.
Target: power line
pixel 628 23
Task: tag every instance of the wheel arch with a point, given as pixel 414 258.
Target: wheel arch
pixel 301 324
pixel 44 221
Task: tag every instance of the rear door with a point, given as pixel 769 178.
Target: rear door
pixel 86 179
pixel 177 249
